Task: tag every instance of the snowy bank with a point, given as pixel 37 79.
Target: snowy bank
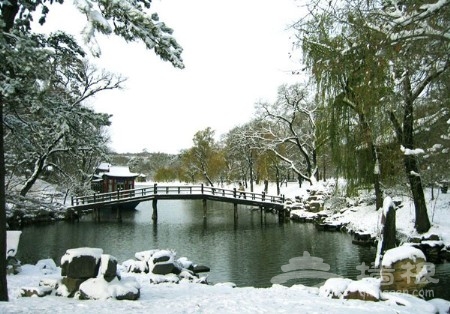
pixel 190 297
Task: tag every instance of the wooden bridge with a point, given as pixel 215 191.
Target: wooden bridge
pixel 130 198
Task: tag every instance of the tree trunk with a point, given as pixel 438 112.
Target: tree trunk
pixel 8 14
pixel 422 222
pixel 208 179
pixel 38 167
pixel 405 137
pixel 3 281
pixel 250 164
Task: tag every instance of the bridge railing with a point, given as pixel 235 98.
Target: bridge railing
pixel 175 190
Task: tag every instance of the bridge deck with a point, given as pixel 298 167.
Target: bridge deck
pixel 185 192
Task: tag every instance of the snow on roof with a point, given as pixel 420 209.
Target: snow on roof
pixel 104 166
pixel 120 171
pixel 399 253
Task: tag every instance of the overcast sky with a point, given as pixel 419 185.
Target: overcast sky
pixel 236 53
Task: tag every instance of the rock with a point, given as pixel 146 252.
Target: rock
pixel 81 263
pixel 445 254
pixel 130 295
pixel 334 287
pixel 165 268
pixel 431 237
pixel 35 291
pixel 170 278
pixel 100 289
pixel 402 269
pixel 366 289
pixel 69 286
pixel 163 258
pixel 145 255
pixel 133 266
pixel 47 266
pixel 315 206
pixel 50 283
pixel 200 269
pixel 188 274
pixel 108 267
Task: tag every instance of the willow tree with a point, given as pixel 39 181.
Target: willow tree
pixel 129 19
pixel 350 78
pixel 407 44
pixel 418 34
pixel 205 158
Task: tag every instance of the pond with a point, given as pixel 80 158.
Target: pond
pixel 249 252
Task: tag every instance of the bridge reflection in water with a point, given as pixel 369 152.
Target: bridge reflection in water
pixel 131 198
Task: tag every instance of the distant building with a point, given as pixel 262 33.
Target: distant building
pixel 108 178
pixel 141 178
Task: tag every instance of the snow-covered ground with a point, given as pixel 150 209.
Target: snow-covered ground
pixel 187 297
pixel 199 298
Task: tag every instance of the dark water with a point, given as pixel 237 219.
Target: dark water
pixel 249 253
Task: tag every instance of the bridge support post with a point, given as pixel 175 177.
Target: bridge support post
pixel 205 207
pixel 235 212
pixel 155 209
pixel 96 212
pixel 119 214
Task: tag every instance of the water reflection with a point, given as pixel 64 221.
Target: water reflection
pixel 249 251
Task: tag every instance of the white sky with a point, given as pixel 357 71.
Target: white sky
pixel 236 53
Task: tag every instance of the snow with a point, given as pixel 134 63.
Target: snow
pixel 12 242
pixel 104 263
pixel 408 151
pixel 399 253
pixel 334 287
pixel 119 171
pixel 84 251
pixel 370 286
pixel 187 297
pixel 387 204
pixel 179 296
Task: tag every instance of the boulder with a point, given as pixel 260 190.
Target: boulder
pixel 81 263
pixel 108 267
pixel 100 289
pixel 334 287
pixel 315 206
pixel 200 269
pixel 159 259
pixel 366 289
pixel 165 268
pixel 133 266
pixel 50 282
pixel 47 266
pixel 403 269
pixel 69 286
pixel 35 291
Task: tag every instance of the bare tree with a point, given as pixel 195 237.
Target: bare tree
pixel 288 129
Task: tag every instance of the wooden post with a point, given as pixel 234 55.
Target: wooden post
pixel 119 214
pixel 155 209
pixel 205 207
pixel 96 212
